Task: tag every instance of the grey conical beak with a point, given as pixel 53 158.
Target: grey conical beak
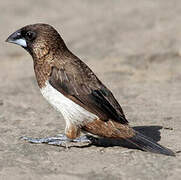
pixel 17 38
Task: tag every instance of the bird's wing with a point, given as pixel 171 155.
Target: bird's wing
pixel 85 89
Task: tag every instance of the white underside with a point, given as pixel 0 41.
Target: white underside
pixel 21 42
pixel 72 112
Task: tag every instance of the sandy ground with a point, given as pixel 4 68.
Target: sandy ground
pixel 134 48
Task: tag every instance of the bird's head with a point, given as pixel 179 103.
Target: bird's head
pixel 38 39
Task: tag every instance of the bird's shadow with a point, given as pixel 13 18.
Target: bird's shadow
pixel 149 131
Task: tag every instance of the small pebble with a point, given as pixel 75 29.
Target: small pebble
pixel 1 102
pixel 168 128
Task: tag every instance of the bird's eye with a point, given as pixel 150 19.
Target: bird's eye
pixel 30 35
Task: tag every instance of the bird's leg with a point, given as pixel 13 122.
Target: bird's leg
pixel 61 140
pixel 70 138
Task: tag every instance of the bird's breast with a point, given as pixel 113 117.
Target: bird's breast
pixel 72 112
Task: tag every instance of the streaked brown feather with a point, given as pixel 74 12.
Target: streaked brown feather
pixel 109 129
pixel 77 82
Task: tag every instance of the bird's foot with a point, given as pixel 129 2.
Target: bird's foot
pixel 61 140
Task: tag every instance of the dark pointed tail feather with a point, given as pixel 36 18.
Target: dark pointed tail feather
pixel 147 144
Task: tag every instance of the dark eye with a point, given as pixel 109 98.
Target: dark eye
pixel 30 35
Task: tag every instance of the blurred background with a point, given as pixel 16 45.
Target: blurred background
pixel 134 48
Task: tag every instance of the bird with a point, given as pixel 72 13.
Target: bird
pixel 73 89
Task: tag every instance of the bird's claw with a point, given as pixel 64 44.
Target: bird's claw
pixel 60 140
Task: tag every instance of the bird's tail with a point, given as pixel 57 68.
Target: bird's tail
pixel 116 130
pixel 147 144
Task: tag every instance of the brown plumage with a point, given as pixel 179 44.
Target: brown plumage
pixel 55 64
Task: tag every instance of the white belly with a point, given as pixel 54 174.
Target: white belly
pixel 72 112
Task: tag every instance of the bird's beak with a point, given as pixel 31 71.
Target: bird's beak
pixel 17 38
